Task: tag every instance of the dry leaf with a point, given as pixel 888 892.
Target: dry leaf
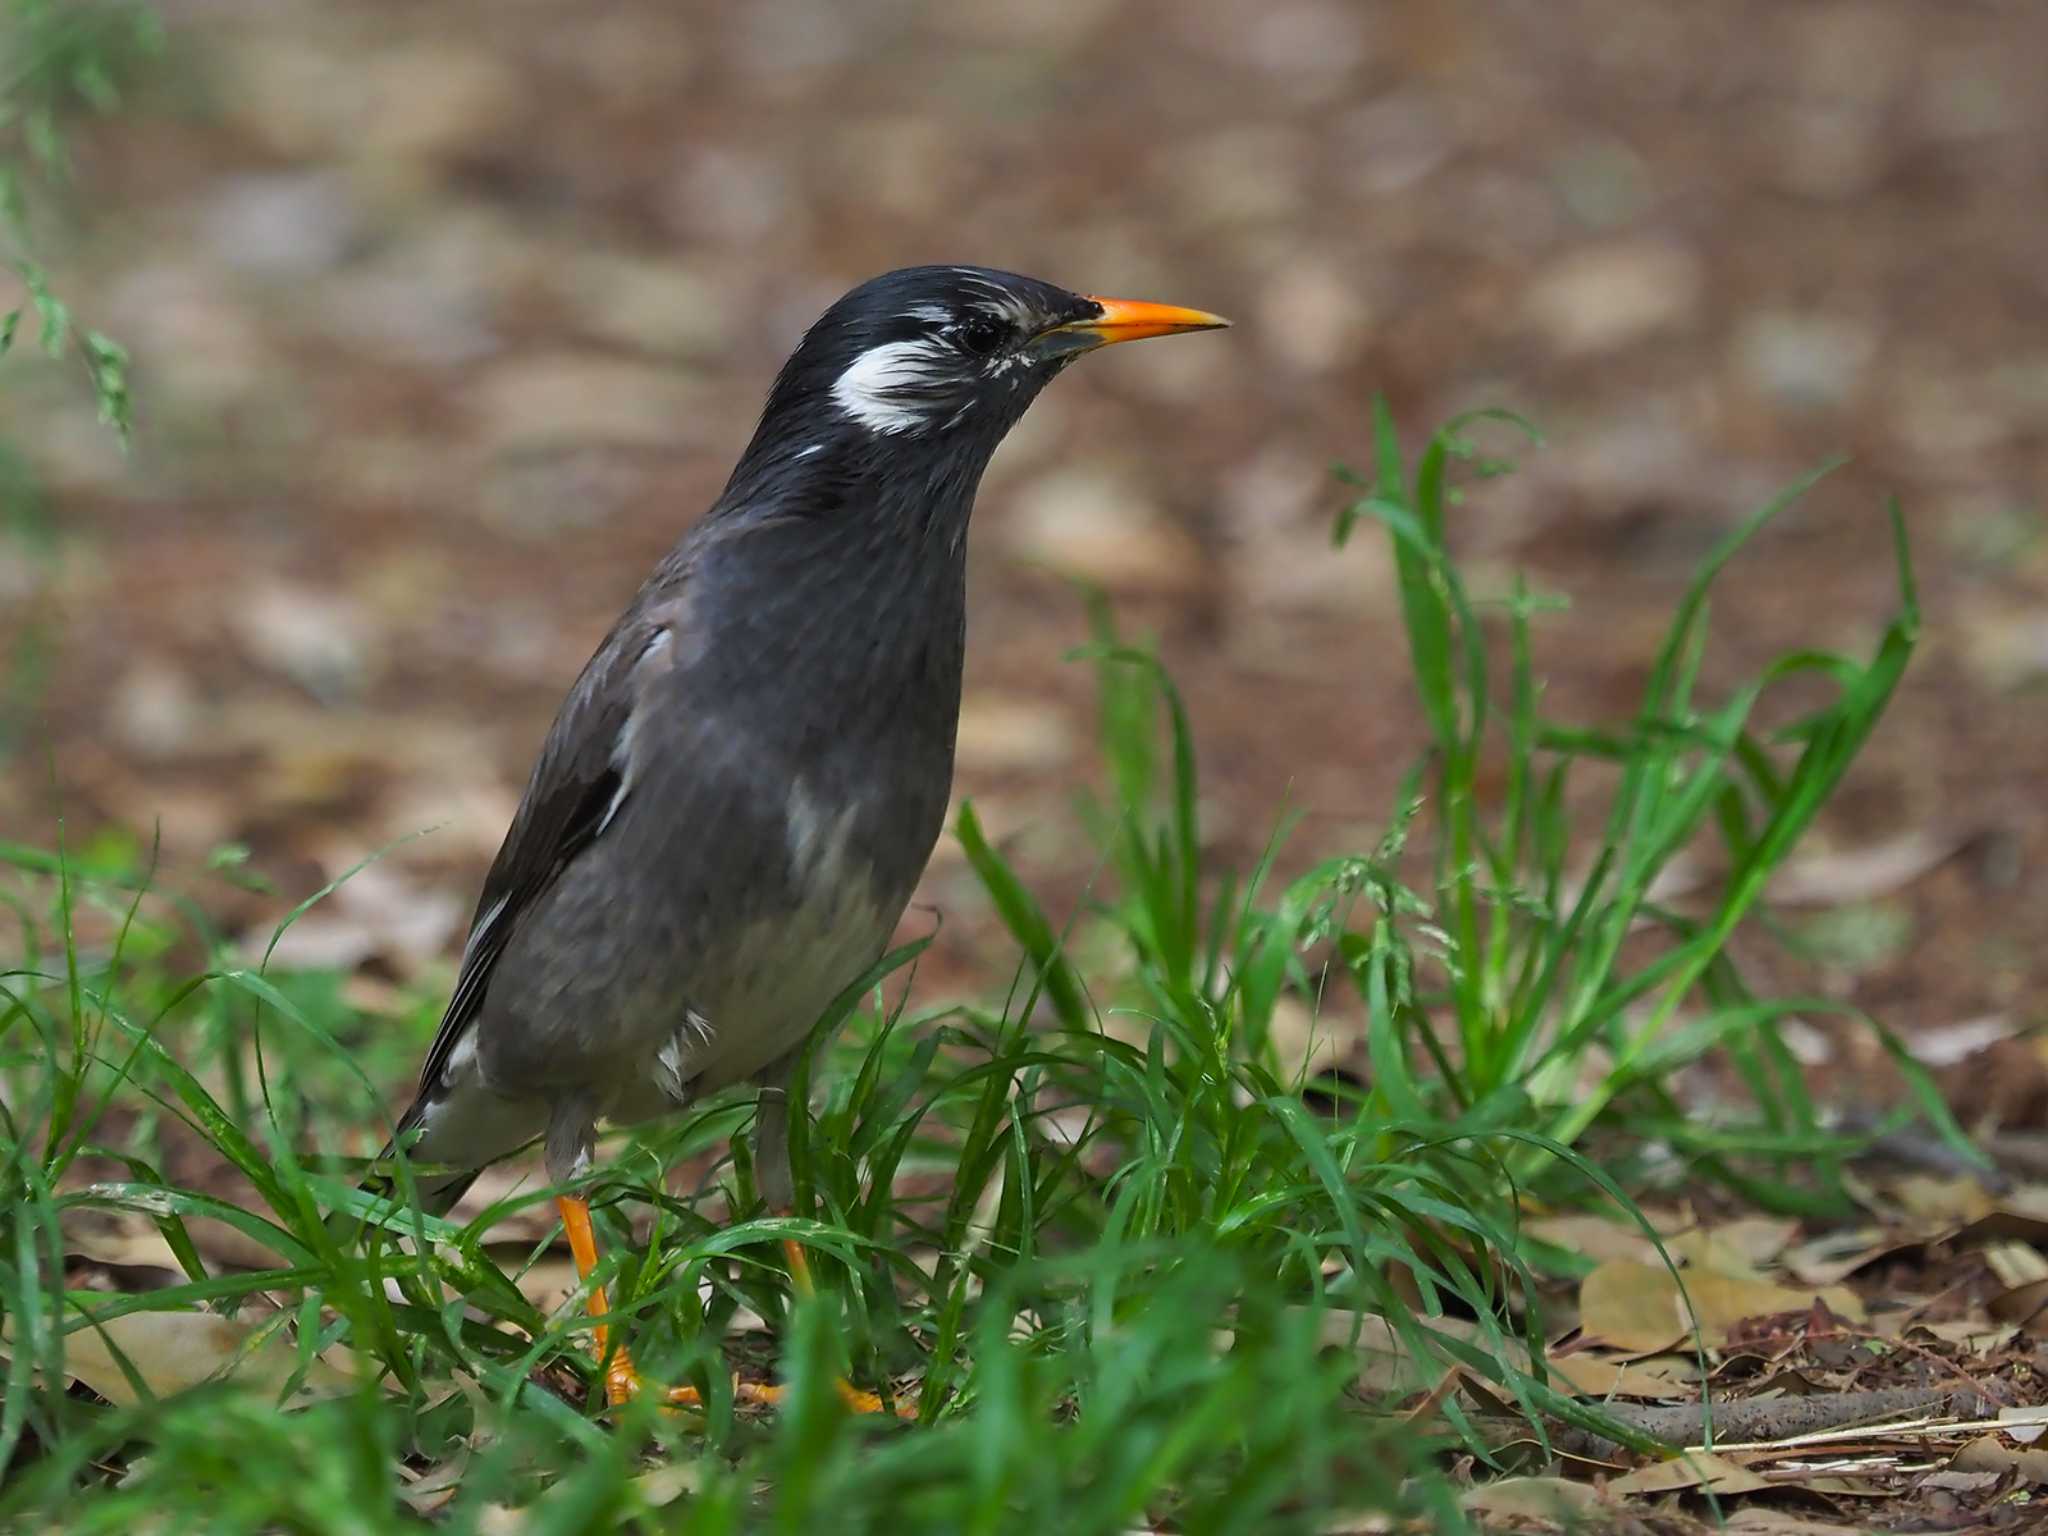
pixel 376 913
pixel 1638 1308
pixel 1593 1236
pixel 1835 1256
pixel 1863 874
pixel 1756 1520
pixel 1759 1239
pixel 1593 1376
pixel 1702 1469
pixel 1956 1201
pixel 2024 1306
pixel 669 1482
pixel 1973 1333
pixel 1949 1045
pixel 2025 1425
pixel 1988 1453
pixel 433 1489
pixel 2016 1264
pixel 1962 1482
pixel 1532 1498
pixel 2020 1214
pixel 126 1241
pixel 174 1351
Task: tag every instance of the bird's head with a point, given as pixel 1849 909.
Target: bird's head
pixel 930 366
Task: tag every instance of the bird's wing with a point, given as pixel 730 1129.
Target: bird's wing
pixel 577 786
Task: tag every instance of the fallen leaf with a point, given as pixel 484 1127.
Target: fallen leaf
pixel 174 1351
pixel 1639 1308
pixel 2016 1264
pixel 1594 1236
pixel 1861 874
pixel 1759 1239
pixel 669 1482
pixel 1702 1469
pixel 1737 1249
pixel 2024 1306
pixel 126 1241
pixel 2026 1425
pixel 2019 1214
pixel 1962 1482
pixel 1755 1520
pixel 1957 1200
pixel 1532 1498
pixel 1834 1256
pixel 1988 1453
pixel 1592 1376
pixel 1973 1333
pixel 319 640
pixel 375 912
pixel 433 1489
pixel 1949 1045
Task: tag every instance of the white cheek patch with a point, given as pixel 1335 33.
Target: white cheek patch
pixel 882 388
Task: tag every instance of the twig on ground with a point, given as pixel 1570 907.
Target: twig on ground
pixel 1773 1418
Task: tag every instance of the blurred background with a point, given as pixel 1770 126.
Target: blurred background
pixel 447 319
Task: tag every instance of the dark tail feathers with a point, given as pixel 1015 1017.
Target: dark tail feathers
pixel 437 1192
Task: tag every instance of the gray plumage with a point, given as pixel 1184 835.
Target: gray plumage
pixel 742 788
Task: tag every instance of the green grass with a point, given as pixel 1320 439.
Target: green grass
pixel 58 59
pixel 1101 1238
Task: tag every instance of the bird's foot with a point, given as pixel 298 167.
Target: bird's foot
pixel 623 1384
pixel 622 1380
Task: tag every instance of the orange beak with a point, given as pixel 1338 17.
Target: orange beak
pixel 1130 320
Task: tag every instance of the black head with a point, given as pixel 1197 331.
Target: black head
pixel 917 374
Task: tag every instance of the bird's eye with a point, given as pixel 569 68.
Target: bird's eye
pixel 982 334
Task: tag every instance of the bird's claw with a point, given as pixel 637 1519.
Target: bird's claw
pixel 623 1384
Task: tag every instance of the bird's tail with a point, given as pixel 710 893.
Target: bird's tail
pixel 436 1192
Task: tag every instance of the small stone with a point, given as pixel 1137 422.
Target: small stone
pixel 1244 177
pixel 1603 182
pixel 1803 360
pixel 1042 25
pixel 1278 509
pixel 1006 733
pixel 155 710
pixel 1090 524
pixel 1311 316
pixel 1944 418
pixel 2006 647
pixel 653 305
pixel 374 912
pixel 283 225
pixel 403 315
pixel 1394 142
pixel 1310 45
pixel 199 338
pixel 548 492
pixel 439 102
pixel 316 639
pixel 574 398
pixel 1965 98
pixel 732 198
pixel 1828 153
pixel 1601 298
pixel 423 103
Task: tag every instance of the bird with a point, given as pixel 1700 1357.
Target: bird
pixel 740 791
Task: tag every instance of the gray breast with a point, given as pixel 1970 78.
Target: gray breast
pixel 778 970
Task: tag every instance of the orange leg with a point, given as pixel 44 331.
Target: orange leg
pixel 622 1381
pixel 621 1377
pixel 800 1281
